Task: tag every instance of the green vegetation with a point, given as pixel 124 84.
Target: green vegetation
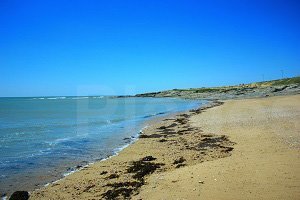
pixel 285 81
pixel 265 88
pixel 279 82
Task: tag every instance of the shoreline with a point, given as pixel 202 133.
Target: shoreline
pixel 127 140
pixel 152 123
pixel 158 167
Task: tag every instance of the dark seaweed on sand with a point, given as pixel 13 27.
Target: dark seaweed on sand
pixel 179 160
pixel 140 168
pixel 112 176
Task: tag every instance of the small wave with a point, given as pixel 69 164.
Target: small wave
pixel 155 114
pixel 61 140
pixel 100 97
pixel 40 152
pixel 54 98
pixel 80 97
pixel 19 133
pixel 57 141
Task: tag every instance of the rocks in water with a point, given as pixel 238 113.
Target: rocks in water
pixel 19 195
pixel 78 166
pixel 3 195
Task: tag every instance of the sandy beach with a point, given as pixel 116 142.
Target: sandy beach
pixel 242 149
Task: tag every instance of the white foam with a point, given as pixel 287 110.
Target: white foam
pixel 100 97
pixel 54 98
pixel 80 97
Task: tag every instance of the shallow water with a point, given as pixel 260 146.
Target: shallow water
pixel 42 138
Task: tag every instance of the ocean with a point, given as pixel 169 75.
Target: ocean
pixel 44 138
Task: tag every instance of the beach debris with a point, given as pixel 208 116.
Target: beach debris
pixel 151 136
pixel 121 189
pixel 116 193
pixel 162 140
pixel 162 127
pixel 140 168
pixel 181 120
pixel 19 195
pixel 179 160
pixel 202 182
pixel 180 165
pixel 148 158
pixel 112 176
pixel 103 172
pixel 78 166
pixel 88 188
pixel 214 142
pixel 143 168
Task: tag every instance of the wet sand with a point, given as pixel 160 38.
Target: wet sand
pixel 243 149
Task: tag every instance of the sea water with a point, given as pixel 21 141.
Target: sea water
pixel 42 138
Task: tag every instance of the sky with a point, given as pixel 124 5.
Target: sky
pixel 115 47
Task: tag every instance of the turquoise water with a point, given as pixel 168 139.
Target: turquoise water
pixel 42 138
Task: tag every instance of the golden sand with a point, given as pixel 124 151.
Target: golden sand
pixel 194 157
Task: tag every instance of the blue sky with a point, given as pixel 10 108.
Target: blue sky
pixel 125 47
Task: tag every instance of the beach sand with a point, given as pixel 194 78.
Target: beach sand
pixel 243 149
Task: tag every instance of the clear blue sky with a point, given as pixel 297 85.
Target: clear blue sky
pixel 60 47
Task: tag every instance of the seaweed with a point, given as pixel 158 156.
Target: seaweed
pixel 125 184
pixel 117 192
pixel 151 136
pixel 180 165
pixel 213 142
pixel 88 188
pixel 142 168
pixel 112 176
pixel 179 160
pixel 103 172
pixel 148 158
pixel 162 140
